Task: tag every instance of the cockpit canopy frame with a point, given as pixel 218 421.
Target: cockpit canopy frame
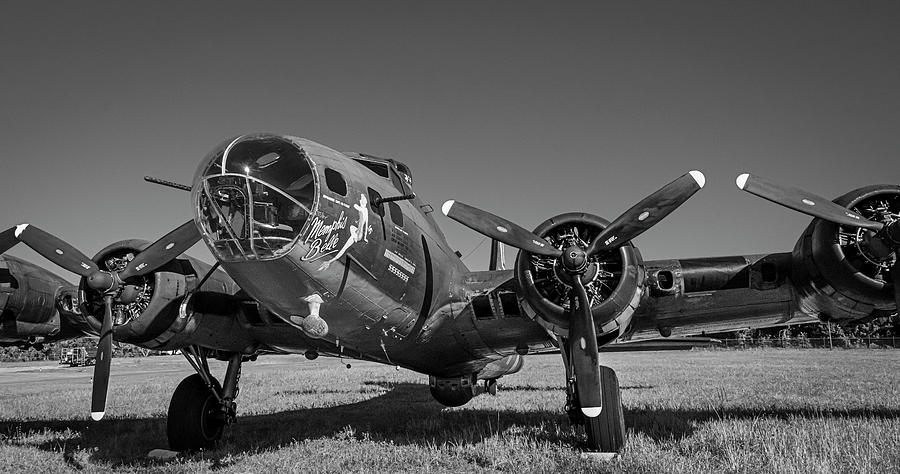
pixel 253 197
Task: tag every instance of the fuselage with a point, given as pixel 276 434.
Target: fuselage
pixel 339 256
pixel 301 228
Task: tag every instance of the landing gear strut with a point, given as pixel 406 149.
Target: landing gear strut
pixel 606 431
pixel 201 408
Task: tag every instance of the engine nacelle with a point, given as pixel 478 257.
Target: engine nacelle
pixel 36 305
pixel 160 314
pixel 835 274
pixel 615 283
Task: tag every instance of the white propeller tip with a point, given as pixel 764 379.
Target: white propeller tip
pixel 741 180
pixel 20 228
pixel 447 205
pixel 97 415
pixel 698 177
pixel 591 412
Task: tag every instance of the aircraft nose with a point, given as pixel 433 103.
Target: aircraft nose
pixel 253 197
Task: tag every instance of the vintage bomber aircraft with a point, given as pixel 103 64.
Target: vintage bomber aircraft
pixel 332 253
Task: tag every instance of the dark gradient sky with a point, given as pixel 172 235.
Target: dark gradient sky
pixel 525 109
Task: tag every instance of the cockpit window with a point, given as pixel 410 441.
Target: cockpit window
pixel 380 169
pixel 255 203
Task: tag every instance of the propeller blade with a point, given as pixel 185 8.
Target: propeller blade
pixel 648 212
pixel 55 249
pixel 583 351
pixel 805 202
pixel 104 357
pixel 498 228
pixel 163 250
pixel 895 275
pixel 8 239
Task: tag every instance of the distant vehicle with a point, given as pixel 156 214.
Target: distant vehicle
pixel 77 357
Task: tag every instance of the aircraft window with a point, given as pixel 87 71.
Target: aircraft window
pixel 396 214
pixel 257 194
pixel 231 202
pixel 276 221
pixel 335 182
pixel 215 164
pixel 380 169
pixel 275 161
pixel 373 198
pixel 248 219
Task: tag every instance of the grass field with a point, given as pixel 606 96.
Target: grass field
pixel 708 411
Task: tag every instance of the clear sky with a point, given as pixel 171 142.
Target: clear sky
pixel 526 109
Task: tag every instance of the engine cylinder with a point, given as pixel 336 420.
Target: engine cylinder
pixel 614 282
pixel 836 273
pixel 156 315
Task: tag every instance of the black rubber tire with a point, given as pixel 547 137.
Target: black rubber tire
pixel 606 432
pixel 195 419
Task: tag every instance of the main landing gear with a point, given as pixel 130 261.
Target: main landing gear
pixel 201 408
pixel 606 431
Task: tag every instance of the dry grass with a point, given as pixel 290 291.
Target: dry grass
pixel 718 411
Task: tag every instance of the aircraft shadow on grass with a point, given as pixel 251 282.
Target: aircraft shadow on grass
pixel 405 414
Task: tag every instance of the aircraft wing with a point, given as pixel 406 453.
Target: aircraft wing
pixel 661 344
pixel 675 299
pixel 711 295
pixel 656 344
pixel 38 306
